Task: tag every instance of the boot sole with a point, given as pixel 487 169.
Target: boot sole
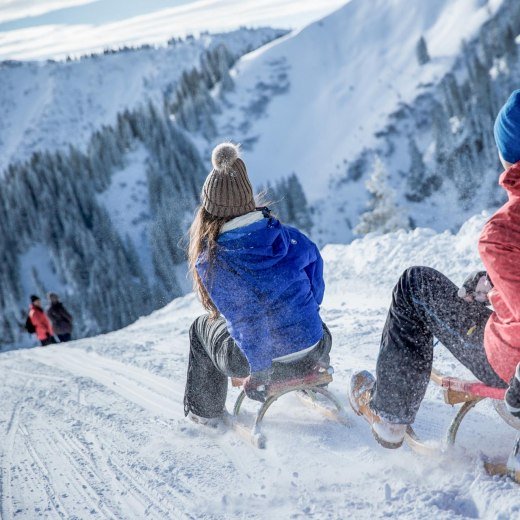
pixel 380 441
pixel 386 444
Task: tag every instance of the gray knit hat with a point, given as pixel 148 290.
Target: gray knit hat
pixel 227 191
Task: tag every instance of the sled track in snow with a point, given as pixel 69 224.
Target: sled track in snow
pixel 84 478
pixel 96 473
pixel 41 473
pixel 6 501
pixel 153 393
pixel 109 486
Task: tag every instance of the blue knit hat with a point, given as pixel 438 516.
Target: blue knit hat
pixel 507 129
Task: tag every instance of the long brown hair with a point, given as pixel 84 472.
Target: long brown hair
pixel 204 232
pixel 203 235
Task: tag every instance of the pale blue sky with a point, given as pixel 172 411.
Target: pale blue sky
pixel 39 29
pixel 91 12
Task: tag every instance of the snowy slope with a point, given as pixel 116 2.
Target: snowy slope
pixel 96 428
pixel 314 101
pixel 47 106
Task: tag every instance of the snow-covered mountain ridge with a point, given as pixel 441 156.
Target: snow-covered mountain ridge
pixel 413 83
pixel 96 427
pixel 50 105
pixel 345 74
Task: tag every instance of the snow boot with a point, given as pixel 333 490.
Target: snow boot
pixel 210 422
pixel 387 434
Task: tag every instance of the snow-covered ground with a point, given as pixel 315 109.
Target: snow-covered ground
pixel 95 429
pixel 36 29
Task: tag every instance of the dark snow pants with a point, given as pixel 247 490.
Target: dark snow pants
pixel 425 305
pixel 214 356
pixel 49 340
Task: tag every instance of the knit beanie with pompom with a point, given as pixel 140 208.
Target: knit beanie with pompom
pixel 227 191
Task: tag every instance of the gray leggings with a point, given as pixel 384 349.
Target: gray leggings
pixel 214 357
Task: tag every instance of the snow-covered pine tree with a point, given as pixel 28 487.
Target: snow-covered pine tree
pixel 451 96
pixel 224 63
pixel 383 214
pixel 442 137
pixel 423 56
pixel 510 47
pixel 420 183
pixel 289 202
pixel 298 205
pixel 192 102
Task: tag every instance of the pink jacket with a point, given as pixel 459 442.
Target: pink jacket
pixel 499 248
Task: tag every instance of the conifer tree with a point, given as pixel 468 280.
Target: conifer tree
pixel 423 57
pixel 383 214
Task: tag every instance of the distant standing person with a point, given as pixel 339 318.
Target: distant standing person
pixel 60 318
pixel 40 322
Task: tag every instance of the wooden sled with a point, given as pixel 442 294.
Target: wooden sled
pixel 308 388
pixel 469 394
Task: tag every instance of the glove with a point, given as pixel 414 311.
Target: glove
pixel 475 288
pixel 512 398
pixel 255 385
pixel 238 382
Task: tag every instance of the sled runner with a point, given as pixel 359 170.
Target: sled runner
pixel 469 394
pixel 308 389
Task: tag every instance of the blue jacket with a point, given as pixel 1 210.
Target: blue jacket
pixel 267 282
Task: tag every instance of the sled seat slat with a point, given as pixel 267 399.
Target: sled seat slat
pixel 461 391
pixel 311 380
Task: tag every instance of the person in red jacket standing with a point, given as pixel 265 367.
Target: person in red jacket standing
pixel 41 323
pixel 426 304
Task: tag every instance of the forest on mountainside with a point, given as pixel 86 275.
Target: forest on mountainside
pixel 440 147
pixel 54 199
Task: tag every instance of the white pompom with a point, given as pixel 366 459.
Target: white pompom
pixel 224 155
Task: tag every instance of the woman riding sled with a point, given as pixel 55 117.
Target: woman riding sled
pixel 261 283
pixel 426 304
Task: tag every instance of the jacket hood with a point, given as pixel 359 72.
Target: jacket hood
pixel 257 246
pixel 510 180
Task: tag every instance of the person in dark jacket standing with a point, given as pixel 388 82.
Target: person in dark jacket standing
pixel 60 318
pixel 40 322
pixel 261 283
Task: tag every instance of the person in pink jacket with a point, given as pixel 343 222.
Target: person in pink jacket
pixel 41 323
pixel 499 249
pixel 427 305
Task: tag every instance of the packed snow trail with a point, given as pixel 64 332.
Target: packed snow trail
pixel 95 428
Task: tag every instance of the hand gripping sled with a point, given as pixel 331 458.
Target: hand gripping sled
pixel 469 394
pixel 307 387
